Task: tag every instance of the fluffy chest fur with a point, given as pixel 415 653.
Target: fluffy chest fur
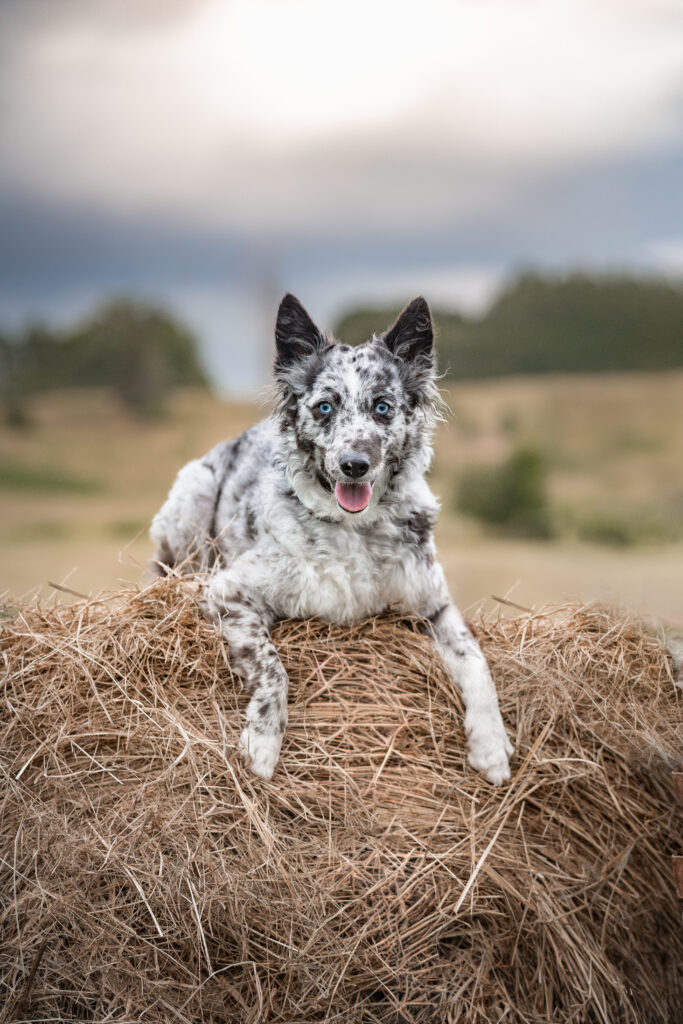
pixel 334 572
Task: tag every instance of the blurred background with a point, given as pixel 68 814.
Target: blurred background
pixel 168 168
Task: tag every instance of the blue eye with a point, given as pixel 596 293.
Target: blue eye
pixel 325 408
pixel 382 408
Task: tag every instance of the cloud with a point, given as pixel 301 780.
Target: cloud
pixel 304 117
pixel 667 255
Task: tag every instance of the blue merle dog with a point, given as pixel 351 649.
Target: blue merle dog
pixel 323 510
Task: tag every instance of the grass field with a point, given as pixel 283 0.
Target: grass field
pixel 80 484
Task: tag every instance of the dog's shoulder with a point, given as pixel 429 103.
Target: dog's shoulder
pixel 247 479
pixel 253 447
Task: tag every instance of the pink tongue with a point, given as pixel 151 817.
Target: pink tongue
pixel 353 497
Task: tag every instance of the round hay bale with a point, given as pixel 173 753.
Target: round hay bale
pixel 147 876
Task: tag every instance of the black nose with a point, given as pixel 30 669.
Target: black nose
pixel 354 466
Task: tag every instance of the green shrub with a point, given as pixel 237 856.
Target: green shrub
pixel 43 529
pixel 128 528
pixel 511 496
pixel 15 413
pixel 509 421
pixel 17 477
pixel 622 530
pixel 607 529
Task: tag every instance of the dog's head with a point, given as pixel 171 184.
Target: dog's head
pixel 355 421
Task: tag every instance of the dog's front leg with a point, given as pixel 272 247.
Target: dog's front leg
pixel 245 623
pixel 488 747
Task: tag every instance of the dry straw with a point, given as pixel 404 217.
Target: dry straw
pixel 146 876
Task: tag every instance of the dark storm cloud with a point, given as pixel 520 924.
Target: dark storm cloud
pixel 611 211
pixel 51 246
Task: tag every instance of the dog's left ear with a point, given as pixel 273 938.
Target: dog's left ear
pixel 296 336
pixel 412 336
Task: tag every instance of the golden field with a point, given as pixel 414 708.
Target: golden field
pixel 80 483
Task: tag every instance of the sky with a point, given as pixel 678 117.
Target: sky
pixel 211 154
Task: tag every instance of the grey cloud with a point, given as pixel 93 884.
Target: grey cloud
pixel 26 15
pixel 606 212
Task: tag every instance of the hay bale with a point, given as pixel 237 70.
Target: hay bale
pixel 146 876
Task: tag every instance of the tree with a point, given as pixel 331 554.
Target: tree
pixel 541 324
pixel 139 350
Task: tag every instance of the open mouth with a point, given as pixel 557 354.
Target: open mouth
pixel 353 497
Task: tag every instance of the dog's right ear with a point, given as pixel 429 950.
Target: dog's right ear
pixel 296 336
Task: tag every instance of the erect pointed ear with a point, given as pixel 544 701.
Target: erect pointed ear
pixel 296 336
pixel 412 335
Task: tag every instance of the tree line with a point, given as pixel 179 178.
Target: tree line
pixel 538 324
pixel 542 324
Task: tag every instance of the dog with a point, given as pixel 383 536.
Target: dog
pixel 322 510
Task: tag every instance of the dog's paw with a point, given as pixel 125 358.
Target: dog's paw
pixel 489 750
pixel 260 751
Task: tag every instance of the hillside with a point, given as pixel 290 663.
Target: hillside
pixel 140 351
pixel 540 324
pixel 79 486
